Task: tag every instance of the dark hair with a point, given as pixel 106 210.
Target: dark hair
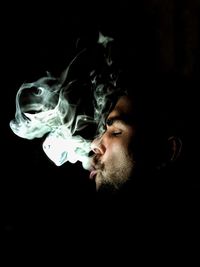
pixel 157 100
pixel 158 105
pixel 156 97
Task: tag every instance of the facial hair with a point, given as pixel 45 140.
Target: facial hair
pixel 112 175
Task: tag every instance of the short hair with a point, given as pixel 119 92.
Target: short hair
pixel 157 100
pixel 157 97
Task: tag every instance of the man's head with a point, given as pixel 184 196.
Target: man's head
pixel 138 140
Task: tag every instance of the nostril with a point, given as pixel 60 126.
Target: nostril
pixel 91 153
pixel 97 146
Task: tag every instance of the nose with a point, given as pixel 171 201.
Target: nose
pixel 97 146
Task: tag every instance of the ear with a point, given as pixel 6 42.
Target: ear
pixel 175 146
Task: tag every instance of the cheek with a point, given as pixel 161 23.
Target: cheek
pixel 116 146
pixel 115 150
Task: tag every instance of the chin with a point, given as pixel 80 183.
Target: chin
pixel 98 182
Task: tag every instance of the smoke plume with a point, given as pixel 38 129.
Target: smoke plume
pixel 44 109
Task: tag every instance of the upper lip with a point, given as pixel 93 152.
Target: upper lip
pixel 92 165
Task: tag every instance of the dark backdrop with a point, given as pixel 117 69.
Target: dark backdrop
pixel 35 194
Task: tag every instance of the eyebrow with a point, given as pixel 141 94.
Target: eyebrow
pixel 119 118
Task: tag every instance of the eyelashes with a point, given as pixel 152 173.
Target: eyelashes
pixel 107 127
pixel 116 133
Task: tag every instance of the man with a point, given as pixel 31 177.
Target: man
pixel 140 141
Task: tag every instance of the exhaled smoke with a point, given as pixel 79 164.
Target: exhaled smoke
pixel 43 108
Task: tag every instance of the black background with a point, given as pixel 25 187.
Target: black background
pixel 37 196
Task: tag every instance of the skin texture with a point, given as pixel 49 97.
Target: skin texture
pixel 113 162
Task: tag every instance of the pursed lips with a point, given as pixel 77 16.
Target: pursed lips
pixel 94 168
pixel 93 174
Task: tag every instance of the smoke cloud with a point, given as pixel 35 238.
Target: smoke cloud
pixel 44 109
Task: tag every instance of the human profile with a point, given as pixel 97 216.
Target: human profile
pixel 140 142
pixel 135 115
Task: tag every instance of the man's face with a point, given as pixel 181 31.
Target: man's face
pixel 113 162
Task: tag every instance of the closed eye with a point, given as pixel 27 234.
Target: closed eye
pixel 108 126
pixel 116 133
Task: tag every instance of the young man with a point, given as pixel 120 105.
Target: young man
pixel 140 141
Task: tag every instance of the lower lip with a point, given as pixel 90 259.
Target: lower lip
pixel 93 174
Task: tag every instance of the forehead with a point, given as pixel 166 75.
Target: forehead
pixel 124 105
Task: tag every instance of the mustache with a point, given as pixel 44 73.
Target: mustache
pixel 96 163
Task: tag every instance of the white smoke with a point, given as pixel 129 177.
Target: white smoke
pixel 43 109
